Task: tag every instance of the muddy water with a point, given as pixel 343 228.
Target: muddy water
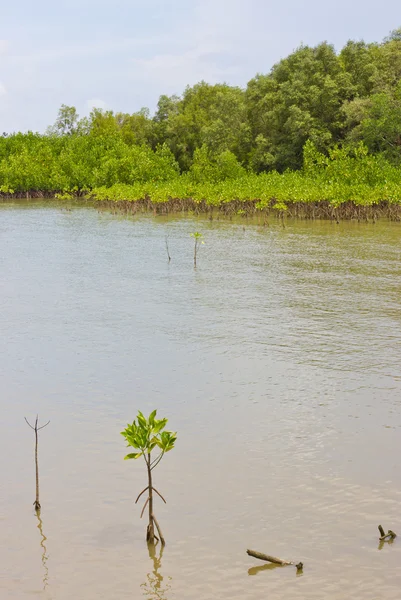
pixel 278 361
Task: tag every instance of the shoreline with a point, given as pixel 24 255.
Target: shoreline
pixel 323 210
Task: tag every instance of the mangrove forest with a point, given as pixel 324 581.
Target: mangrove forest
pixel 317 136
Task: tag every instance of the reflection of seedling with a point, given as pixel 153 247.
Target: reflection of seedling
pixel 36 429
pixel 156 586
pixel 198 241
pixel 167 249
pixel 145 434
pixel 44 550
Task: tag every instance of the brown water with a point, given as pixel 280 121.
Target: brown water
pixel 278 361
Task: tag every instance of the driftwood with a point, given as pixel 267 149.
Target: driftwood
pixel 273 559
pixel 390 535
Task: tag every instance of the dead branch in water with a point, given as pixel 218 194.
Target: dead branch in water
pixel 274 559
pixel 389 536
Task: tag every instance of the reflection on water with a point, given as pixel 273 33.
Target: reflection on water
pixel 260 568
pixel 156 587
pixel 44 550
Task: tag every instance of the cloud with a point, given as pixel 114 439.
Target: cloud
pixel 3 90
pixel 3 47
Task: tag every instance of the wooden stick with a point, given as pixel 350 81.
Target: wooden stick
pixel 268 558
pixel 274 560
pixel 383 536
pixel 390 535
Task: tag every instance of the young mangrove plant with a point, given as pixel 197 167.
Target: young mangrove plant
pixel 36 429
pixel 146 435
pixel 198 237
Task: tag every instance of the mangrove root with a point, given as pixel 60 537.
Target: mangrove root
pixel 390 535
pixel 273 559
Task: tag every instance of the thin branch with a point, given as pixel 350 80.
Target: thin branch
pixel 145 505
pixel 159 494
pixel 143 491
pixel 43 426
pixel 28 423
pixel 159 459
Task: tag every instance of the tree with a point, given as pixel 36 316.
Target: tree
pixel 137 128
pixel 208 167
pixel 300 99
pixel 214 115
pixel 376 121
pixel 66 122
pixel 144 435
pixel 358 60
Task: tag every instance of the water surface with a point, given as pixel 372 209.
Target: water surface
pixel 277 361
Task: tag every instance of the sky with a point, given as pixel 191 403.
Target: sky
pixel 122 55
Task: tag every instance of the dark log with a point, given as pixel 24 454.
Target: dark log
pixel 383 536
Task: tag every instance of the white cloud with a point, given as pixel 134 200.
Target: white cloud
pixel 3 90
pixel 3 46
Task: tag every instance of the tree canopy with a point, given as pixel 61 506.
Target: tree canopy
pixel 214 132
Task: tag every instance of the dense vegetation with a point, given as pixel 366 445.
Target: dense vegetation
pixel 321 127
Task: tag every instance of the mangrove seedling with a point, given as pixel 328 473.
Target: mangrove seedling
pixel 146 435
pixel 36 429
pixel 198 237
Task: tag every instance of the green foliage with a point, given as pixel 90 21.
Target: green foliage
pixel 66 122
pixel 145 434
pixel 211 115
pixel 213 168
pixel 333 119
pixel 347 174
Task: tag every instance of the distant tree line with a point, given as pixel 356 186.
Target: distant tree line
pixel 331 100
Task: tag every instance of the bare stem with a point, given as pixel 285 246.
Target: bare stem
pixel 36 429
